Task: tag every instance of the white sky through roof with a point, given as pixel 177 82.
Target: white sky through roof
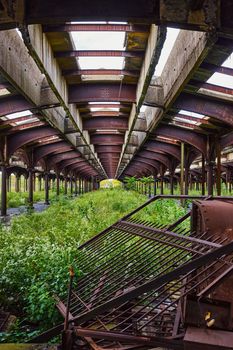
pixel 99 41
pixel 18 114
pixel 101 62
pixel 223 80
pixel 172 34
pixel 191 114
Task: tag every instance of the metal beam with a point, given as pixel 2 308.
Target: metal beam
pixel 79 72
pixel 79 27
pixel 110 123
pixel 156 146
pixel 190 137
pixel 102 92
pixel 107 139
pixel 22 138
pixel 98 53
pixel 220 110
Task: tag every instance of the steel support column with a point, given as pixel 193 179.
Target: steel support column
pixel 17 183
pixel 65 186
pixel 203 175
pixel 182 169
pixel 210 164
pixel 46 187
pixel 218 169
pixel 4 190
pixel 155 185
pixel 30 187
pixel 58 184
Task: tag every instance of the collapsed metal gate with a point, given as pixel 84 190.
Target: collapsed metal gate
pixel 147 285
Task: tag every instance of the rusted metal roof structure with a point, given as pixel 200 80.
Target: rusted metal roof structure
pixel 149 285
pixel 93 122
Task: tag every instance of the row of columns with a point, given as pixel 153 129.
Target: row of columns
pixel 210 174
pixel 77 186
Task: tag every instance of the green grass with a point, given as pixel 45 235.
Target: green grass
pixel 37 250
pixel 17 199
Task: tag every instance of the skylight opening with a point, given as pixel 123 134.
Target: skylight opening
pixel 101 62
pixel 103 103
pixel 229 62
pixel 18 114
pixel 99 40
pixel 143 109
pixel 186 120
pixel 4 92
pixel 222 80
pixel 172 34
pixel 24 122
pixel 108 109
pixel 192 114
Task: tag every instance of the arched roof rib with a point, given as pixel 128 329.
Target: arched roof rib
pixel 75 106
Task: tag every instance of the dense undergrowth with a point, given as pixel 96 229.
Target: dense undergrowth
pixel 37 249
pixel 17 199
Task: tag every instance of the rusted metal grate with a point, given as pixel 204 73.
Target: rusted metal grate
pixel 141 277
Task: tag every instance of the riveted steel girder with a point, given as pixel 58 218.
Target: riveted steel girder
pixel 190 137
pixel 156 146
pixel 97 53
pixel 110 123
pixel 107 149
pixel 43 151
pixel 102 92
pixel 155 156
pixel 22 138
pixel 13 104
pixel 226 140
pixel 80 27
pixel 155 164
pixel 220 110
pixel 63 156
pixel 107 139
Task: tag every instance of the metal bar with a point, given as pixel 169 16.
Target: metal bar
pixel 175 344
pixel 79 72
pixel 74 27
pixel 98 53
pixel 172 234
pixel 124 218
pixel 155 282
pixel 214 284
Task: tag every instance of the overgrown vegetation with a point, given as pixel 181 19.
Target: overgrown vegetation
pixel 17 199
pixel 38 248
